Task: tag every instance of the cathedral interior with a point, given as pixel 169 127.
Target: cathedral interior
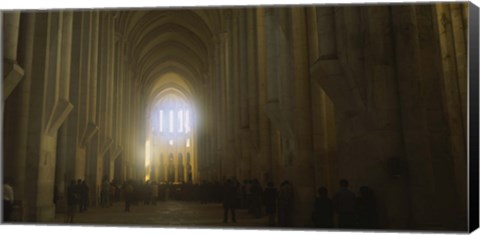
pixel 374 94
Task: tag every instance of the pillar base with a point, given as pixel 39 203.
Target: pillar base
pixel 41 213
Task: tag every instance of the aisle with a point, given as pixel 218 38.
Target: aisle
pixel 164 214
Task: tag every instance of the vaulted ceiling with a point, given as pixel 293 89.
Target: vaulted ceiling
pixel 161 41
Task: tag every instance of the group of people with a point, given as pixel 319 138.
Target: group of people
pixel 273 202
pixel 77 198
pixel 109 192
pixel 349 210
pixel 134 192
pixel 352 211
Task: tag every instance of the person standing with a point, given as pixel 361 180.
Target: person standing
pixel 112 192
pixel 154 190
pixel 72 201
pixel 344 204
pixel 270 199
pixel 7 200
pixel 285 204
pixel 229 195
pixel 256 191
pixel 105 192
pixel 84 196
pixel 366 207
pixel 128 194
pixel 79 193
pixel 323 210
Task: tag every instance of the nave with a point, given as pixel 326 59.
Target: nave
pixel 313 94
pixel 178 214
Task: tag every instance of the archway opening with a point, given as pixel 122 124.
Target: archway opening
pixel 171 132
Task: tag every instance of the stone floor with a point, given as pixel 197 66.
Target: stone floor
pixel 179 214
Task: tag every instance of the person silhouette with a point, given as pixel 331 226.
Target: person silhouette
pixel 366 209
pixel 72 201
pixel 229 195
pixel 84 196
pixel 322 216
pixel 344 205
pixel 8 198
pixel 285 204
pixel 270 199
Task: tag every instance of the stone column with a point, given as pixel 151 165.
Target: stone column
pixel 61 181
pixel 66 54
pixel 325 137
pixel 11 25
pixel 219 103
pixel 94 170
pixel 355 42
pixel 235 94
pixel 303 170
pixel 413 116
pixel 63 104
pixel 268 29
pixel 93 68
pixel 449 37
pixel 111 165
pixel 323 169
pixel 451 79
pixel 252 137
pixel 460 46
pixel 264 160
pixel 312 34
pixel 82 76
pixel 243 93
pixel 13 73
pixel 385 124
pixel 326 32
pixel 104 75
pixel 48 112
pixel 17 106
pixel 71 122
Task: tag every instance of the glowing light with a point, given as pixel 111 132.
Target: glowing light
pixel 147 153
pixel 161 120
pixel 147 160
pixel 171 121
pixel 170 142
pixel 188 142
pixel 187 121
pixel 180 117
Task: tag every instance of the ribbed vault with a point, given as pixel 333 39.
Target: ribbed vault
pixel 163 41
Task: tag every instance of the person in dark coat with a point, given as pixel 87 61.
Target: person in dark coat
pixel 344 205
pixel 8 199
pixel 270 199
pixel 285 204
pixel 129 195
pixel 105 192
pixel 79 193
pixel 229 197
pixel 366 209
pixel 323 210
pixel 256 191
pixel 83 196
pixel 72 201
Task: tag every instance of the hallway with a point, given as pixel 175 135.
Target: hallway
pixel 165 214
pixel 372 95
